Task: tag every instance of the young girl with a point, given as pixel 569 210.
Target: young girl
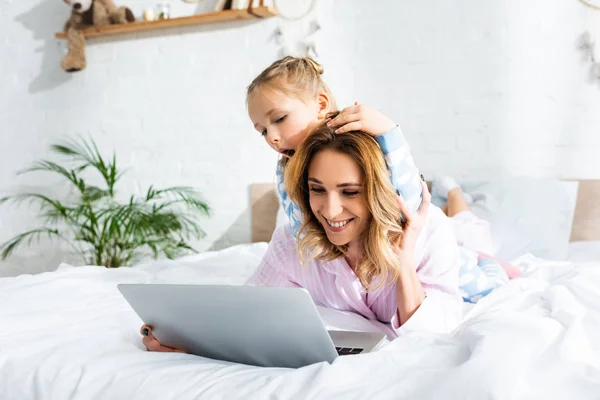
pixel 356 253
pixel 289 99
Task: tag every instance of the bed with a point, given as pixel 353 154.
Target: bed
pixel 69 334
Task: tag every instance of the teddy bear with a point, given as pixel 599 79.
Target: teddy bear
pixel 85 14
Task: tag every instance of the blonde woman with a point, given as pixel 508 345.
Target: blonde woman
pixel 354 254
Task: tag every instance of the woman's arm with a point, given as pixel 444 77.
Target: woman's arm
pixel 409 293
pixel 437 279
pixel 427 295
pixel 152 344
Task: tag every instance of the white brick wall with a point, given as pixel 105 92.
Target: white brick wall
pixel 479 87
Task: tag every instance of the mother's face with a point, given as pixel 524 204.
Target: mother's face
pixel 335 184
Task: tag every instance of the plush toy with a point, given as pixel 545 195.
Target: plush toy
pixel 85 14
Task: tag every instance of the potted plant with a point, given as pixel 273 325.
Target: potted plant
pixel 99 228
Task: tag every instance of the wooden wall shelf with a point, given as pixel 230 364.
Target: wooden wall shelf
pixel 198 19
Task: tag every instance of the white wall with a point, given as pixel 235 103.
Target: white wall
pixel 479 87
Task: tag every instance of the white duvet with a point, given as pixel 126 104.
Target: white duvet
pixel 70 335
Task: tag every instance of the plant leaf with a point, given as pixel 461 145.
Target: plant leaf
pixel 50 166
pixel 93 193
pixel 7 248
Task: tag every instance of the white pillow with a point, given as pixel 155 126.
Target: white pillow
pixel 527 215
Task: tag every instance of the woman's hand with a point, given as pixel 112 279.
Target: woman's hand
pixel 361 118
pixel 405 247
pixel 152 344
pixel 409 291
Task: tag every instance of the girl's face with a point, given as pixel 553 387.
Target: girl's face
pixel 284 121
pixel 335 184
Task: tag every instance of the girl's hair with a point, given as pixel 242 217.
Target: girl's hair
pixel 379 264
pixel 297 77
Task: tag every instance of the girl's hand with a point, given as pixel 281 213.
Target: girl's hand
pixel 361 118
pixel 152 344
pixel 405 247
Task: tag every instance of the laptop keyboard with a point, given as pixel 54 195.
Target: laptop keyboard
pixel 345 351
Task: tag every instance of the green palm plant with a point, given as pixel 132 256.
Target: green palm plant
pixel 102 230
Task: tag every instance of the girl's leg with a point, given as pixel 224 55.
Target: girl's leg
pixel 446 188
pixel 493 270
pixel 479 276
pixel 470 231
pixel 456 202
pixel 474 283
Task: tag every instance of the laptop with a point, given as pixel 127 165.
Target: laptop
pixel 253 325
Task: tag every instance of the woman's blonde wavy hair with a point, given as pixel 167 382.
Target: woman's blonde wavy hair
pixel 380 263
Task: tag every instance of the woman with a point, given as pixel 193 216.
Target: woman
pixel 354 253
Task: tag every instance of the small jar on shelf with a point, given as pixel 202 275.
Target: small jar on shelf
pixel 163 10
pixel 149 14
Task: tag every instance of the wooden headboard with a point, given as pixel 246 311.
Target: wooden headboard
pixel 586 221
pixel 265 204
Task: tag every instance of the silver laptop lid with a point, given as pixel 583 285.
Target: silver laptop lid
pixel 264 326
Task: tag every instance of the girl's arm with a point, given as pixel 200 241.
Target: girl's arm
pixel 291 210
pixel 404 174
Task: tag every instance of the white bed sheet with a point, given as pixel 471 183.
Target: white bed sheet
pixel 70 335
